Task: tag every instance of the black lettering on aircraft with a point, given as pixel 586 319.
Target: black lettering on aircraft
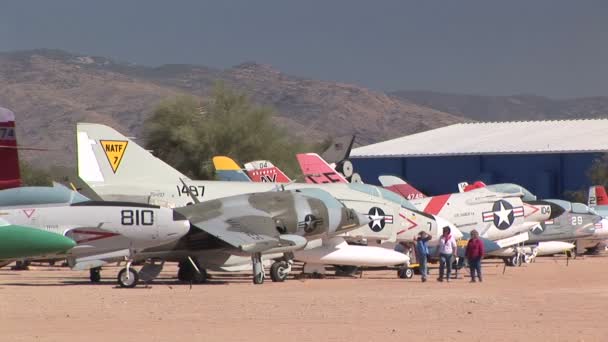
pixel 114 148
pixel 196 191
pixel 137 217
pixel 324 178
pixel 269 178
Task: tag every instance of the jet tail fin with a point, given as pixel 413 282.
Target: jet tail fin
pixel 265 171
pixel 339 149
pixel 227 169
pixel 105 156
pixel 597 196
pixel 10 176
pixel 400 187
pixel 316 170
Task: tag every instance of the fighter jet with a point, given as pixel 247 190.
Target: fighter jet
pixel 18 241
pixel 495 215
pixel 598 201
pixel 312 164
pixel 116 168
pixel 577 223
pixel 270 223
pixel 500 216
pixel 103 231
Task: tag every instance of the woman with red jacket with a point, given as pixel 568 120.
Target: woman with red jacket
pixel 475 253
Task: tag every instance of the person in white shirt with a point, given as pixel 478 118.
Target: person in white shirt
pixel 447 248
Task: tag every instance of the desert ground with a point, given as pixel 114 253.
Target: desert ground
pixel 549 300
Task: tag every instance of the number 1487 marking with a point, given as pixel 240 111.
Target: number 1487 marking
pixel 196 191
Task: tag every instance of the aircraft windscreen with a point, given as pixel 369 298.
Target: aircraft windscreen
pixel 511 188
pixel 379 192
pixel 34 195
pixel 326 197
pixel 580 208
pixel 564 204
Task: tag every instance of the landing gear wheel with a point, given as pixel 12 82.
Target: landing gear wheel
pixel 279 271
pixel 258 279
pixel 128 279
pixel 346 271
pixel 187 273
pixel 95 275
pixel 405 273
pixel 258 268
pixel 515 261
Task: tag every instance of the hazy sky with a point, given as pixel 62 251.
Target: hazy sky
pixel 547 47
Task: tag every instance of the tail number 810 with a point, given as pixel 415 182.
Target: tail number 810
pixel 137 217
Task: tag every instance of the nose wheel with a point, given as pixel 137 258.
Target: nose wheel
pixel 128 277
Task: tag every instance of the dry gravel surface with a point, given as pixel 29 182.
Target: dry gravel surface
pixel 544 301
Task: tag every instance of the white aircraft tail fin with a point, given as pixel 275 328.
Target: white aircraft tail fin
pixel 106 156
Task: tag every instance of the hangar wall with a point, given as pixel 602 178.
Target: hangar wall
pixel 546 175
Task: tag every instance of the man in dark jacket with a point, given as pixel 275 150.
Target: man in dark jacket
pixel 422 252
pixel 475 253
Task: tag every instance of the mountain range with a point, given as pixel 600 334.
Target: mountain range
pixel 51 90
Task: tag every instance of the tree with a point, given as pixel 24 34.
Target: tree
pixel 33 176
pixel 597 175
pixel 598 172
pixel 187 133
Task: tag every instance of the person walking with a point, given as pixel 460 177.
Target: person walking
pixel 447 249
pixel 475 253
pixel 422 252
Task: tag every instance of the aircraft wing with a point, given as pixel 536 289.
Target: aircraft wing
pixel 249 231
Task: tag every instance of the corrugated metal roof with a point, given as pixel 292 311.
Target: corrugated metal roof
pixel 552 136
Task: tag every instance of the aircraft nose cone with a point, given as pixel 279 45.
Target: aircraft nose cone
pixel 19 242
pixel 556 210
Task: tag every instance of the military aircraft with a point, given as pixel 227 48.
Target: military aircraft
pixel 500 216
pixel 598 201
pixel 577 223
pixel 270 223
pixel 116 168
pixel 18 241
pixel 314 166
pixel 103 231
pixel 497 216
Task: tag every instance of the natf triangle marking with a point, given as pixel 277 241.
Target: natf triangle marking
pixel 114 150
pixel 29 212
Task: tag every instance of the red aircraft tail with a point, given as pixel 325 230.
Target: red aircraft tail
pixel 465 187
pixel 316 170
pixel 400 187
pixel 10 177
pixel 265 171
pixel 597 196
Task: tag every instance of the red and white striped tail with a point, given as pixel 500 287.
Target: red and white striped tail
pixel 597 196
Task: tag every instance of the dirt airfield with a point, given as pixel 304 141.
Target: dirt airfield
pixel 544 301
